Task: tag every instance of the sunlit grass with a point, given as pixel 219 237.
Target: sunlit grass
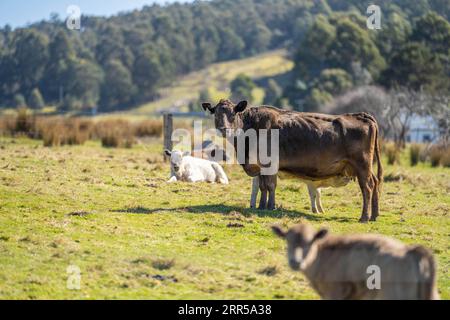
pixel 111 213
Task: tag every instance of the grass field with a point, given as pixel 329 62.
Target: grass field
pixel 110 213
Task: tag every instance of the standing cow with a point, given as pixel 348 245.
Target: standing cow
pixel 312 146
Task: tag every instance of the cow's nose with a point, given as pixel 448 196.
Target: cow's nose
pixel 175 168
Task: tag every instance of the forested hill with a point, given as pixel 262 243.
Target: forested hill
pixel 121 61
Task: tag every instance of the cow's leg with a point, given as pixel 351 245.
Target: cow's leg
pixel 255 188
pixel 195 177
pixel 172 179
pixel 263 199
pixel 263 189
pixel 375 198
pixel 271 186
pixel 365 183
pixel 318 201
pixel 312 197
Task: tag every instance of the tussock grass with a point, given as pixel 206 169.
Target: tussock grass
pixel 392 152
pixel 58 131
pixel 414 153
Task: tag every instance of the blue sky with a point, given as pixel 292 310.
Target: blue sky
pixel 18 13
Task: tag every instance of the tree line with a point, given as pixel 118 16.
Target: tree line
pixel 339 53
pixel 118 62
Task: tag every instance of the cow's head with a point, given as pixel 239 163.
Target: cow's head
pixel 225 114
pixel 302 242
pixel 176 161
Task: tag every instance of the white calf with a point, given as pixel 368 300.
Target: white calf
pixel 183 167
pixel 313 190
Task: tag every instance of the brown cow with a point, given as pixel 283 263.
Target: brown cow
pixel 360 266
pixel 312 146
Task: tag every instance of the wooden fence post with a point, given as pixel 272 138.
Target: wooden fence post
pixel 168 128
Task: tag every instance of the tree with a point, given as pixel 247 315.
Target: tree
pixel 57 76
pixel 259 38
pixel 30 56
pixel 394 35
pixel 415 66
pixel 402 105
pixel 84 86
pixel 351 44
pixel 148 73
pixel 19 101
pixel 313 51
pixel 231 45
pixel 334 81
pixel 242 87
pixel 272 93
pixel 433 31
pixel 118 88
pixel 316 100
pixel 36 101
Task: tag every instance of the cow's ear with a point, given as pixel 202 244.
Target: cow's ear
pixel 168 153
pixel 322 233
pixel 278 231
pixel 207 106
pixel 240 106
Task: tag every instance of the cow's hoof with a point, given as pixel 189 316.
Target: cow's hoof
pixel 373 218
pixel 314 210
pixel 363 220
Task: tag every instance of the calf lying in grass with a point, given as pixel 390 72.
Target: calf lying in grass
pixel 360 266
pixel 313 189
pixel 183 167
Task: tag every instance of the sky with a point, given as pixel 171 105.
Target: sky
pixel 18 13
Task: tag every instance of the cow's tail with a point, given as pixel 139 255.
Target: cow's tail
pixel 221 176
pixel 378 156
pixel 370 119
pixel 426 264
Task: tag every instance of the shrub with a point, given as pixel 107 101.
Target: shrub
pixel 445 160
pixel 19 101
pixel 52 134
pixel 415 151
pixel 7 125
pixel 392 152
pixel 25 122
pixel 115 133
pixel 58 131
pixel 435 154
pixel 148 128
pixel 36 101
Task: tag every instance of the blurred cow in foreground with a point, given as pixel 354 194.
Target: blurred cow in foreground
pixel 342 267
pixel 183 167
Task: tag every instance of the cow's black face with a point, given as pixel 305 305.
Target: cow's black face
pixel 225 114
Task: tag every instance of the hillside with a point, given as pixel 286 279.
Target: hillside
pixel 216 79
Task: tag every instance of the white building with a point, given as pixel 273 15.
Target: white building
pixel 423 129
